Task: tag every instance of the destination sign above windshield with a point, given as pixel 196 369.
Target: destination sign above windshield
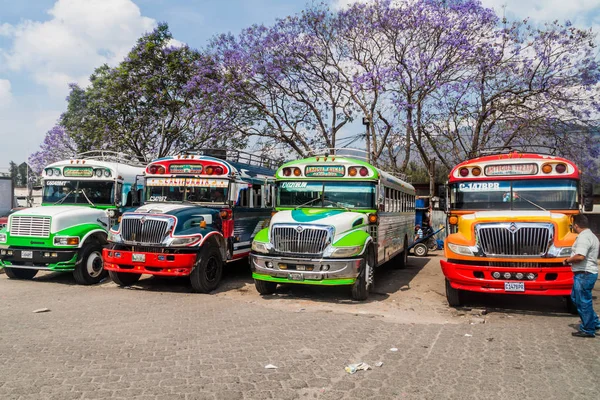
pixel 325 171
pixel 511 169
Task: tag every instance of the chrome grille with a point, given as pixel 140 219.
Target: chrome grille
pixel 30 226
pixel 145 229
pixel 306 240
pixel 515 239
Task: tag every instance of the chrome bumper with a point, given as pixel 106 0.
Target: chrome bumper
pixel 337 268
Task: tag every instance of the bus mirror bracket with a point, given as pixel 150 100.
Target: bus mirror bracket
pixel 588 204
pixel 588 196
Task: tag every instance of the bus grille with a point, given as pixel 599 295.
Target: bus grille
pixel 514 239
pixel 290 239
pixel 144 229
pixel 30 226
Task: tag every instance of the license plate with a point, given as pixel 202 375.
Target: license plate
pixel 514 286
pixel 138 257
pixel 296 277
pixel 301 267
pixel 26 254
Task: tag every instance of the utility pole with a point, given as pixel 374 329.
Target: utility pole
pixel 367 122
pixel 432 178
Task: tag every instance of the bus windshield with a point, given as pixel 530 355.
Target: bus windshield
pixel 538 194
pixel 78 192
pixel 327 194
pixel 194 190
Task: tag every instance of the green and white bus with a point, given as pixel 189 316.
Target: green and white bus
pixel 338 218
pixel 82 198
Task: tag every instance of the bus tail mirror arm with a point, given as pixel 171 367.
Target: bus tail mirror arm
pixel 588 196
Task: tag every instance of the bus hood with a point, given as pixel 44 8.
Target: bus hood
pixel 64 217
pixel 505 215
pixel 467 223
pixel 342 221
pixel 162 208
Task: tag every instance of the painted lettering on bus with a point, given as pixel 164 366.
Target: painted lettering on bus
pixel 478 186
pixel 511 169
pixel 293 184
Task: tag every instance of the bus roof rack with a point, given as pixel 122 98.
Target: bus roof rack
pixel 110 156
pixel 358 154
pixel 538 149
pixel 236 156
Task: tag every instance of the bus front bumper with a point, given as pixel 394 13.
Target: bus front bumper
pixel 322 271
pixel 162 264
pixel 44 259
pixel 550 281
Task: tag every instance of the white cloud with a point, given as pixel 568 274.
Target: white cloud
pixel 80 36
pixel 545 10
pixel 5 92
pixel 584 12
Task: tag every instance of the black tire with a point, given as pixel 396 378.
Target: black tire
pixel 89 269
pixel 20 273
pixel 420 250
pixel 208 270
pixel 365 281
pixel 124 278
pixel 401 261
pixel 454 296
pixel 571 307
pixel 265 287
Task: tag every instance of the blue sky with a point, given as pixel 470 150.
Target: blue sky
pixel 45 44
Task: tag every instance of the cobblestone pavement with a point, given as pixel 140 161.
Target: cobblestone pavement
pixel 159 341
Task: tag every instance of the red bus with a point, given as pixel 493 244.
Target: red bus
pixel 509 218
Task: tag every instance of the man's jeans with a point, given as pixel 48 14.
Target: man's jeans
pixel 582 298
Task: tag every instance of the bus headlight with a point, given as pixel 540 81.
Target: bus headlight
pixel 261 247
pixel 66 240
pixel 458 249
pixel 183 241
pixel 559 251
pixel 341 252
pixel 114 237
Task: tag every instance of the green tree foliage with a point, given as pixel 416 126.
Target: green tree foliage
pixel 142 107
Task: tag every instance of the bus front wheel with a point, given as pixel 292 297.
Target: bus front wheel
pixel 124 278
pixel 265 287
pixel 18 273
pixel 454 296
pixel 366 278
pixel 420 250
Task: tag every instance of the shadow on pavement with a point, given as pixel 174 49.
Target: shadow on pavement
pixel 236 275
pixel 516 304
pixel 388 280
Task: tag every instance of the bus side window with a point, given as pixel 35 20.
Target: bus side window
pixel 244 198
pixel 257 196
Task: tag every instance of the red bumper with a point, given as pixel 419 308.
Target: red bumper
pixel 555 281
pixel 152 264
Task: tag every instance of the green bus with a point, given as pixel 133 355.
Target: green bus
pixel 337 219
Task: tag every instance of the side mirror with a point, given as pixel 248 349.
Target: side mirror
pixel 443 204
pixel 588 196
pixel 134 195
pixel 588 204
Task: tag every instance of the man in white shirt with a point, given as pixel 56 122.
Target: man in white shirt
pixel 584 264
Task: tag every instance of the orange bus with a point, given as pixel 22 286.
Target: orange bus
pixel 509 220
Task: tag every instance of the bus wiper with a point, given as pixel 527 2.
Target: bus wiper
pixel 87 198
pixel 64 198
pixel 338 205
pixel 307 203
pixel 532 203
